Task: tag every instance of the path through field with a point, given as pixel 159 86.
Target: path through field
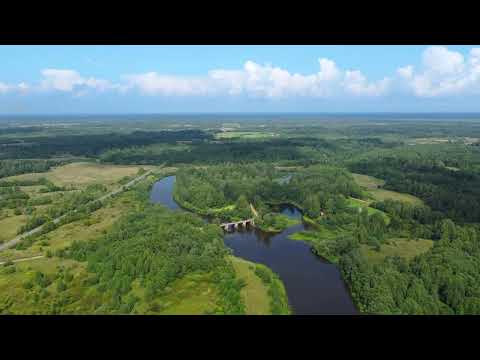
pixel 20 237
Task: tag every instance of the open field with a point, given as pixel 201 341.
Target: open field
pixel 88 229
pixel 373 186
pixel 85 229
pixel 381 194
pixel 84 173
pixel 16 298
pixel 194 294
pixel 10 225
pixel 368 182
pixel 405 248
pixel 360 204
pixel 76 174
pixel 245 135
pixel 255 294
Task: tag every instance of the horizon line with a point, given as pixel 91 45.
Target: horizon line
pixel 251 113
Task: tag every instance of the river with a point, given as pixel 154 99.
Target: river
pixel 314 286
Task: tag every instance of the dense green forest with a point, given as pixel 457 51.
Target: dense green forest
pixel 445 177
pixel 38 147
pixel 134 264
pixel 17 167
pixel 406 243
pixel 226 191
pixel 444 280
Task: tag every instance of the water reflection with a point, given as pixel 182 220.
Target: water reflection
pixel 313 285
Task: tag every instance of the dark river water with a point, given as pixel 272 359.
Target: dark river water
pixel 313 285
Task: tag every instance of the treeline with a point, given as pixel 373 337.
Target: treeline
pixel 20 130
pixel 295 151
pixel 209 153
pixel 155 247
pixel 17 167
pixel 94 144
pixel 413 221
pixel 413 129
pixel 444 280
pixel 455 192
pixel 316 189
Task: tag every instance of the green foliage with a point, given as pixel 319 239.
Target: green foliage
pixel 424 172
pixel 444 280
pixel 157 246
pixel 316 189
pixel 16 167
pixel 276 291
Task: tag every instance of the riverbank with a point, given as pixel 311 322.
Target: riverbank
pixel 296 279
pixel 275 223
pixel 263 293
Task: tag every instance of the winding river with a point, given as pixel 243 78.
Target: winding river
pixel 314 286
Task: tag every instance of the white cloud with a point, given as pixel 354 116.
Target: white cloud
pixel 153 83
pixel 443 73
pixel 67 80
pixel 440 60
pixel 20 88
pixel 3 88
pixel 254 80
pixel 406 72
pixel 62 80
pixel 328 70
pixel 356 83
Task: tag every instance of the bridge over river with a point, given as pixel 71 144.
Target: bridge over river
pixel 235 225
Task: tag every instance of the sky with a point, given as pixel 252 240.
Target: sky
pixel 211 79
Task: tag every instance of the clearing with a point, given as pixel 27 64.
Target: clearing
pixel 255 294
pixel 84 173
pixel 403 247
pixel 373 186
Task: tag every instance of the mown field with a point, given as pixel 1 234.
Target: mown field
pixel 83 173
pixel 404 248
pixel 373 187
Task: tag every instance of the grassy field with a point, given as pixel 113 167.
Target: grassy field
pixel 368 182
pixel 402 247
pixel 84 173
pixel 381 194
pixel 10 225
pixel 255 294
pixel 16 299
pixel 87 229
pixel 360 204
pixel 244 135
pixel 77 175
pixel 373 187
pixel 194 294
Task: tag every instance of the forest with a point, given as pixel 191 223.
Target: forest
pixel 394 204
pixel 444 280
pixel 446 178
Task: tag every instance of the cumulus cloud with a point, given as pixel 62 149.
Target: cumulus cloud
pixel 19 88
pixel 356 83
pixel 67 80
pixel 153 83
pixel 258 81
pixel 441 72
pixel 405 72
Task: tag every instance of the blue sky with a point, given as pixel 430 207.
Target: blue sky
pixel 157 79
